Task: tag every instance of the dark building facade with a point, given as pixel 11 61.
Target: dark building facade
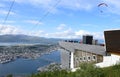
pixel 112 40
pixel 87 39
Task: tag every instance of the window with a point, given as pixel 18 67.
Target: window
pixel 69 53
pixel 80 58
pixel 84 58
pixel 94 57
pixel 69 65
pixel 77 58
pixel 89 58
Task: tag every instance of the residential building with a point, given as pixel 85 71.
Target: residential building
pixel 95 42
pixel 87 39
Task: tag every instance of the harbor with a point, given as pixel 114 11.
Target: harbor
pixel 11 53
pixel 22 66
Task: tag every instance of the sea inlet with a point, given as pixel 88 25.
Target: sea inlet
pixel 23 66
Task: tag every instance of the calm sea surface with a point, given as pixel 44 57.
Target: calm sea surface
pixel 25 66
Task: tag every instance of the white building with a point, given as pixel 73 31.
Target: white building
pixel 73 54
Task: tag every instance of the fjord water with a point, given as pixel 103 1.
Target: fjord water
pixel 28 66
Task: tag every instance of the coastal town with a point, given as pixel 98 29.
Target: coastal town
pixel 59 38
pixel 11 53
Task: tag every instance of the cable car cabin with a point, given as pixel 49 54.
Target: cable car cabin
pixel 112 40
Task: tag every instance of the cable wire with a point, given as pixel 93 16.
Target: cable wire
pixel 8 12
pixel 49 10
pixel 7 16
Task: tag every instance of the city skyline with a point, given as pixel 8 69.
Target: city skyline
pixel 59 18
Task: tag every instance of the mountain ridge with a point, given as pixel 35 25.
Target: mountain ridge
pixel 26 39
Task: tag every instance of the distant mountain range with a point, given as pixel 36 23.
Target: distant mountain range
pixel 32 39
pixel 26 39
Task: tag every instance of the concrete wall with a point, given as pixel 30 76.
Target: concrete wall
pixel 65 59
pixel 82 56
pixel 109 61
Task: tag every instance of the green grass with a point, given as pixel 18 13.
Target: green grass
pixel 87 70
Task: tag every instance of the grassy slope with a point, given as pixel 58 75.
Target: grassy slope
pixel 87 70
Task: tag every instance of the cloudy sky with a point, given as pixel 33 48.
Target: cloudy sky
pixel 59 18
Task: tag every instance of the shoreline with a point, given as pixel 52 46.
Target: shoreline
pixel 9 54
pixel 35 62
